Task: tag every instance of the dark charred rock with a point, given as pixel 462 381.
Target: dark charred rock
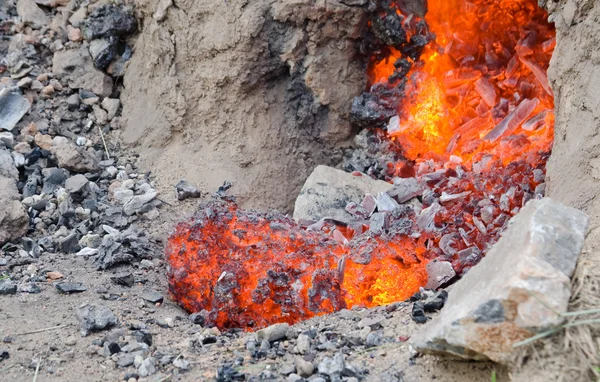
pixel 124 278
pixel 402 66
pixel 199 318
pixel 418 313
pixel 186 190
pixel 152 296
pixel 103 51
pixel 368 112
pixel 142 336
pixel 4 354
pixel 69 288
pixel 95 318
pixel 227 372
pixel 435 302
pixel 388 28
pixel 109 20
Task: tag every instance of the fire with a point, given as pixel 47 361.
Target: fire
pixel 478 83
pixel 458 90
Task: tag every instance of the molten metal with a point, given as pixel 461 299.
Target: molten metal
pixel 471 118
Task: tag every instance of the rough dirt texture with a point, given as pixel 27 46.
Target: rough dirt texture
pixel 573 178
pixel 253 92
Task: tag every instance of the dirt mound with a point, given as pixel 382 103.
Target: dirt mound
pixel 257 93
pixel 573 178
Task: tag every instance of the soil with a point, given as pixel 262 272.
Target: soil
pixel 573 178
pixel 227 84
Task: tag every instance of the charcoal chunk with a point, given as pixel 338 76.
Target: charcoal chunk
pixel 366 112
pixel 109 20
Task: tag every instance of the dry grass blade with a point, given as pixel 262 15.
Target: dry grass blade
pixel 557 329
pixel 43 330
pixel 103 142
pixel 37 370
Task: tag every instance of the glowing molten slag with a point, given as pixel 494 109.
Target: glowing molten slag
pixel 474 126
pixel 248 269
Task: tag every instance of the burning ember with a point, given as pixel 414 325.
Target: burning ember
pixel 459 93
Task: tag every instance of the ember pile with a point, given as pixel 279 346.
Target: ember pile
pixel 458 115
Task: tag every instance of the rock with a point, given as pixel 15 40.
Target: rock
pixel 303 344
pixel 90 240
pixel 69 288
pixel 30 288
pixel 31 13
pixel 73 102
pixel 405 189
pixel 374 339
pixel 76 183
pixel 103 51
pixel 77 67
pixel 294 378
pixel 499 301
pixel 23 148
pixel 78 17
pixel 4 354
pixel 74 34
pixel 111 105
pixel 385 203
pixel 186 190
pixel 7 287
pixel 198 318
pixel 100 115
pixel 333 367
pixel 304 368
pixel 8 139
pixel 272 333
pixel 161 9
pixel 7 167
pixel 147 367
pixel 123 278
pixel 438 273
pixel 434 301
pixel 12 108
pixel 73 158
pixel 372 322
pixel 152 296
pixel 25 82
pixel 69 243
pixel 181 363
pixel 47 90
pixel 108 21
pixel 14 221
pixel 137 202
pixel 43 141
pixel 95 318
pixel 327 191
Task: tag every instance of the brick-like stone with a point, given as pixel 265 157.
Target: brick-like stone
pixel 493 305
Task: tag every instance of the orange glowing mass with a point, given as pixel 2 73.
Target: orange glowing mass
pixel 480 88
pixel 468 114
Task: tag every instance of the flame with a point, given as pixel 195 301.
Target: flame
pixel 474 124
pixel 486 68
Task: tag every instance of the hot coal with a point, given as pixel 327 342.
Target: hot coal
pixel 308 272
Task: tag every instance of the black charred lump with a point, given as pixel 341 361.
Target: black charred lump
pixel 109 20
pixel 388 28
pixel 368 112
